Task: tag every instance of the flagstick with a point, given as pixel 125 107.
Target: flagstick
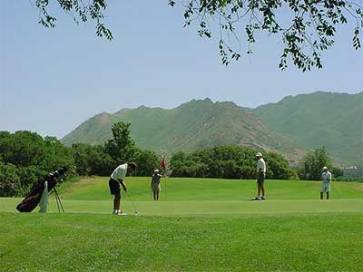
pixel 165 187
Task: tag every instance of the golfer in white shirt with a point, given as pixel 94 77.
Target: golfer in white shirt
pixel 117 180
pixel 326 181
pixel 261 173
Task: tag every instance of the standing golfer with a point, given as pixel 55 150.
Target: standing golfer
pixel 116 181
pixel 261 173
pixel 326 179
pixel 155 184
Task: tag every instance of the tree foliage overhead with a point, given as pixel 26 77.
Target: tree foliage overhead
pixel 80 10
pixel 306 28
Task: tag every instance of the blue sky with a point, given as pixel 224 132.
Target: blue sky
pixel 52 80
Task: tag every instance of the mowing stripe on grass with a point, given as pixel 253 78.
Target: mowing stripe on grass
pixel 169 208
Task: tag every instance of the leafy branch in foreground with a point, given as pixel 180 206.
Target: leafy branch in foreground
pixel 306 28
pixel 80 12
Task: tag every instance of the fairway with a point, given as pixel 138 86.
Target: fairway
pixel 198 225
pixel 184 196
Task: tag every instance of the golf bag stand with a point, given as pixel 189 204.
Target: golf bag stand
pixel 58 201
pixel 32 199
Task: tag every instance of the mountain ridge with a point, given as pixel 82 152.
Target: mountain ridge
pixel 333 120
pixel 203 123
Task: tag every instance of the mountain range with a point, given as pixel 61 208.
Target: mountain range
pixel 291 126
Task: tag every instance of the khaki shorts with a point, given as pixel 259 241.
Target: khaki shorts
pixel 325 187
pixel 260 179
pixel 155 187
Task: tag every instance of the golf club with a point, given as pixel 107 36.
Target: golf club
pixel 132 203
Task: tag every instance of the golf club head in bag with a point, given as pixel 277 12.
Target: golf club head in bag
pixel 32 199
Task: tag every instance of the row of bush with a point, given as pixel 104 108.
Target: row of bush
pixel 228 162
pixel 26 157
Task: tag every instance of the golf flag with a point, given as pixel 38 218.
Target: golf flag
pixel 163 164
pixel 163 167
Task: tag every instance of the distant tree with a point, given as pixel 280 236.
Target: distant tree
pixel 312 164
pixel 28 176
pixel 178 159
pixel 278 167
pixel 27 157
pixel 147 161
pixel 102 164
pixel 306 28
pixel 92 160
pixel 101 160
pixel 121 147
pixel 22 148
pixel 56 155
pixel 228 162
pixel 82 154
pixel 25 148
pixel 337 171
pixel 9 180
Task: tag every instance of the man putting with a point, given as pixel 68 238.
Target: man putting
pixel 116 181
pixel 261 173
pixel 326 179
pixel 155 184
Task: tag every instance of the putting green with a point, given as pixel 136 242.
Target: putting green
pixel 185 197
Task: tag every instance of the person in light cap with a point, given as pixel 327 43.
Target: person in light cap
pixel 260 173
pixel 326 181
pixel 155 184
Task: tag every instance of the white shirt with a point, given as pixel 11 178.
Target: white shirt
pixel 261 166
pixel 326 177
pixel 120 172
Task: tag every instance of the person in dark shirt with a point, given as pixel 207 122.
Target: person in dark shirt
pixel 155 184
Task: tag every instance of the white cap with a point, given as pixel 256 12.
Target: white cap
pixel 156 171
pixel 325 168
pixel 259 154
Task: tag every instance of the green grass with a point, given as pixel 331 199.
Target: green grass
pixel 199 225
pixel 187 189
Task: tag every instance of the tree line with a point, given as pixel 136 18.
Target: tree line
pixel 26 157
pixel 228 162
pixel 239 162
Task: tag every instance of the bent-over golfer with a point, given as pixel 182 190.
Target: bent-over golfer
pixel 116 181
pixel 326 181
pixel 155 184
pixel 261 173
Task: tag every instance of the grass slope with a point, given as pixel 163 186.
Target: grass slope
pixel 199 225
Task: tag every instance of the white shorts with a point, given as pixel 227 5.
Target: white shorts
pixel 325 187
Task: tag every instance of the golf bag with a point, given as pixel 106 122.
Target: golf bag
pixel 32 199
